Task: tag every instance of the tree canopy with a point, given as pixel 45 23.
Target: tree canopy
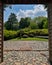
pixel 35 23
pixel 12 22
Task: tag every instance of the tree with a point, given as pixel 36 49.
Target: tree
pixel 40 24
pixel 21 23
pixel 12 22
pixel 24 22
pixel 15 26
pixel 33 24
pixel 27 21
pixel 45 26
pixel 40 21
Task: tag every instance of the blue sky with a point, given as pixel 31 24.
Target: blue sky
pixel 23 11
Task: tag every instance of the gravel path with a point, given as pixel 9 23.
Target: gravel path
pixel 25 45
pixel 25 53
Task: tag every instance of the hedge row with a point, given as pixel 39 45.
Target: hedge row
pixel 36 32
pixel 9 34
pixel 24 33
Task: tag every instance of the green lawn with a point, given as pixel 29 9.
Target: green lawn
pixel 30 39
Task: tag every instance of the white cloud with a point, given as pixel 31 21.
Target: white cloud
pixel 37 10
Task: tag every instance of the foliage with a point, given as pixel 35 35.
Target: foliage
pixel 12 23
pixel 45 26
pixel 26 27
pixel 24 22
pixel 40 21
pixel 36 23
pixel 24 33
pixel 40 24
pixel 9 34
pixel 33 25
pixel 33 33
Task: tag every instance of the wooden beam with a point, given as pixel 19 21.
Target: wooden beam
pixel 27 1
pixel 50 31
pixel 1 34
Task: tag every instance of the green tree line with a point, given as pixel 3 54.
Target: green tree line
pixel 35 23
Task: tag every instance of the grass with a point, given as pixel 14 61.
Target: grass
pixel 30 39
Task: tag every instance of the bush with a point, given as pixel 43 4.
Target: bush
pixel 32 33
pixel 20 33
pixel 42 32
pixel 37 32
pixel 24 33
pixel 9 34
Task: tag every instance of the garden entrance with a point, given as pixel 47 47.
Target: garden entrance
pixel 29 54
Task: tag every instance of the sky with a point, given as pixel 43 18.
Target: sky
pixel 22 11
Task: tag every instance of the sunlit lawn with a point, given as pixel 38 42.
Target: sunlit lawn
pixel 30 39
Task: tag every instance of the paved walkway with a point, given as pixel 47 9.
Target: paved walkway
pixel 25 53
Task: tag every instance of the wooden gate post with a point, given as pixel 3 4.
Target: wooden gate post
pixel 50 31
pixel 1 34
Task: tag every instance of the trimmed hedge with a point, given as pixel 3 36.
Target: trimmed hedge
pixel 24 33
pixel 35 32
pixel 9 34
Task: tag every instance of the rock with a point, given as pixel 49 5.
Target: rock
pixel 34 60
pixel 44 64
pixel 29 64
pixel 3 63
pixel 10 60
pixel 17 63
pixel 25 63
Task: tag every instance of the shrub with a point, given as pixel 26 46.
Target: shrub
pixel 9 34
pixel 22 33
pixel 37 32
pixel 42 32
pixel 26 29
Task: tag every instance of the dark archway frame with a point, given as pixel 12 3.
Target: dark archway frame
pixel 26 2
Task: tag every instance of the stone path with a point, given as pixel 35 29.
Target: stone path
pixel 25 45
pixel 25 57
pixel 25 53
